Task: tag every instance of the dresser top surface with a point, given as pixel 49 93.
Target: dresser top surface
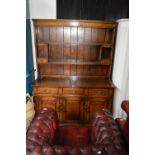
pixel 82 83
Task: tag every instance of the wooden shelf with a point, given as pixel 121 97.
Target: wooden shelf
pixel 71 76
pixel 105 62
pixel 73 62
pixel 76 44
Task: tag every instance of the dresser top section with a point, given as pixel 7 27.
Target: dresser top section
pixel 74 53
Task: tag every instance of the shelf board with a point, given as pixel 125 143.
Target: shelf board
pixel 71 76
pixel 75 44
pixel 74 62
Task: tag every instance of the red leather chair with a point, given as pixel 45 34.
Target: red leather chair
pixel 124 124
pixel 103 137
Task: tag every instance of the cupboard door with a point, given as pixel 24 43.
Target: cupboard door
pixel 98 104
pixel 74 108
pixel 45 101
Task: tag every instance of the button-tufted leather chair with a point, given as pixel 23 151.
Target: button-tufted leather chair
pixel 44 136
pixel 124 124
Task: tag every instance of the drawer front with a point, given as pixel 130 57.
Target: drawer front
pixel 103 92
pixel 73 91
pixel 45 91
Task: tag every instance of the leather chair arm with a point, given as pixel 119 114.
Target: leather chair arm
pixel 42 130
pixel 125 106
pixel 105 132
pixel 124 124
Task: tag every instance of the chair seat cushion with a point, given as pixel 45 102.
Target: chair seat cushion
pixel 73 135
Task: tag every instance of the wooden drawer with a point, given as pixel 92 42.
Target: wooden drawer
pixel 45 90
pixel 103 92
pixel 74 91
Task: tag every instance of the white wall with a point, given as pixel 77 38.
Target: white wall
pixel 34 53
pixel 42 9
pixel 27 10
pixel 120 75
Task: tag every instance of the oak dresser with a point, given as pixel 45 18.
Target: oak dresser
pixel 74 64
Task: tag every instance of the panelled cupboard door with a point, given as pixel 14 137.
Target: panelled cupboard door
pixel 74 108
pixel 46 101
pixel 96 104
